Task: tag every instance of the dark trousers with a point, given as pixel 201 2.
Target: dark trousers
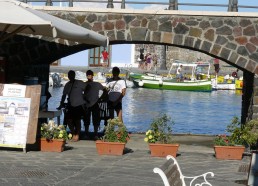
pixel 72 118
pixel 93 111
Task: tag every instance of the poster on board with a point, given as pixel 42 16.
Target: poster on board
pixel 14 120
pixel 12 90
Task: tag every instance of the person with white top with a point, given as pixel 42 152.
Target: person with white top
pixel 179 75
pixel 117 88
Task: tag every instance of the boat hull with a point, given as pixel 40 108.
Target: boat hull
pixel 233 85
pixel 135 76
pixel 169 85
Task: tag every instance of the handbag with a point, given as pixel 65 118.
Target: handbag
pixel 113 96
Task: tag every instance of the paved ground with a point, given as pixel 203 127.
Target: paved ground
pixel 80 164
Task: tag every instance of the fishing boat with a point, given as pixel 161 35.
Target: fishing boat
pixel 196 78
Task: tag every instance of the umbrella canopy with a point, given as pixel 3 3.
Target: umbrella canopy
pixel 20 18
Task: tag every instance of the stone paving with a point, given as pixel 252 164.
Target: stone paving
pixel 80 164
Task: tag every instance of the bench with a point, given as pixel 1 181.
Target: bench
pixel 50 114
pixel 171 174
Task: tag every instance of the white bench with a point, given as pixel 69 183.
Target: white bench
pixel 171 174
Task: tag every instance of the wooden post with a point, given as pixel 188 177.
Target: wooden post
pixel 70 3
pixel 49 3
pixel 235 6
pixel 173 5
pixel 123 4
pixel 110 4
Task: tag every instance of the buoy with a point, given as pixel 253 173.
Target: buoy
pixel 141 83
pixel 241 84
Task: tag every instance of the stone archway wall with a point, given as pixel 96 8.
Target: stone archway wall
pixel 230 36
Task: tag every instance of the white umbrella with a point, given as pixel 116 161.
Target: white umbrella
pixel 20 18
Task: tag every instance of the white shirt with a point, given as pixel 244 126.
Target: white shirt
pixel 178 71
pixel 119 86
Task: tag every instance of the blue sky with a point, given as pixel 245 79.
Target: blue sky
pixel 122 53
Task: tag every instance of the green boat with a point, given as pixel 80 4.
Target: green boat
pixel 134 76
pixel 174 85
pixel 198 80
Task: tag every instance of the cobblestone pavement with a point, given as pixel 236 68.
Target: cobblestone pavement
pixel 80 164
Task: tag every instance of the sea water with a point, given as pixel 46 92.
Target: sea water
pixel 192 112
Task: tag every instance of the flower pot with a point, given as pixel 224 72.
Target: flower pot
pixel 162 150
pixel 229 152
pixel 109 148
pixel 54 145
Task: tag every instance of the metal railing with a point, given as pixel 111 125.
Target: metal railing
pixel 232 5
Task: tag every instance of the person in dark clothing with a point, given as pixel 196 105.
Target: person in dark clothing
pixel 73 90
pixel 91 96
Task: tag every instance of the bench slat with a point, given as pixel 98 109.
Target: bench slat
pixel 171 174
pixel 175 180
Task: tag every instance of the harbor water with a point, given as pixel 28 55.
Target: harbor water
pixel 192 112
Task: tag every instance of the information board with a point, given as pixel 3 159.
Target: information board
pixel 14 120
pixel 13 90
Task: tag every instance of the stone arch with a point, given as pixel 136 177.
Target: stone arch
pixel 230 36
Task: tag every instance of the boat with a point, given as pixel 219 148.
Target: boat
pixel 196 78
pixel 227 83
pixel 133 75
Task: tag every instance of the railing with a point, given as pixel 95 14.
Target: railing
pixel 232 5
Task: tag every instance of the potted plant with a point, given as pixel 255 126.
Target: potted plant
pixel 53 137
pixel 159 137
pixel 233 146
pixel 114 139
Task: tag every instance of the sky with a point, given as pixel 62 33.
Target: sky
pixel 121 54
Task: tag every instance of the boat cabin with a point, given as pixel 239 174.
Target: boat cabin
pixel 192 71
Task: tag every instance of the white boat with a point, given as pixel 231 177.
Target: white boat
pixel 196 78
pixel 227 83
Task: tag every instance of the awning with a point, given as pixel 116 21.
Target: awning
pixel 20 18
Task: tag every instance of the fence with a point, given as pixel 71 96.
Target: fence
pixel 232 5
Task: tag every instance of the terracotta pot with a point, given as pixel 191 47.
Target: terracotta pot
pixel 162 150
pixel 229 152
pixel 55 145
pixel 110 148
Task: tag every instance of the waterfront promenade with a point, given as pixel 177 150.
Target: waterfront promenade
pixel 80 164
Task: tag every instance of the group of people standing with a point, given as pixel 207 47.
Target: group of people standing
pixel 148 62
pixel 83 101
